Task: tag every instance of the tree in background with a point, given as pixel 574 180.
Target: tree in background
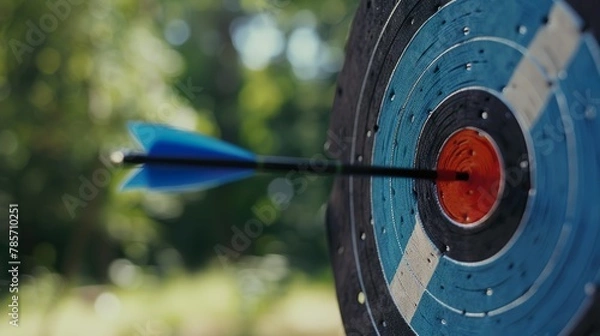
pixel 259 73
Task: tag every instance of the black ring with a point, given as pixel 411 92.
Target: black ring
pixel 461 110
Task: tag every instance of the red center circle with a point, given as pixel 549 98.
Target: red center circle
pixel 472 151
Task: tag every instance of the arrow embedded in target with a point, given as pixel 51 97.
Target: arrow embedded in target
pixel 176 160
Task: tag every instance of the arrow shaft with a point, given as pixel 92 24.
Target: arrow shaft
pixel 309 166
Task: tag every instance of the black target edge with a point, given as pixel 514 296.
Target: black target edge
pixel 378 315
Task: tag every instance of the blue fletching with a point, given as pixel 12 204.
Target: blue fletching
pixel 159 140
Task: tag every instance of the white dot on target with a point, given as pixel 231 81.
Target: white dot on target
pixel 361 298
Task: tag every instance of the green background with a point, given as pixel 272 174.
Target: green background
pixel 258 73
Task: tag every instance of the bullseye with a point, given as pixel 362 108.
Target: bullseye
pixel 469 202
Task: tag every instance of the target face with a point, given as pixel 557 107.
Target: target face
pixel 508 91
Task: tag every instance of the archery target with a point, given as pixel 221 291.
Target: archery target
pixel 508 91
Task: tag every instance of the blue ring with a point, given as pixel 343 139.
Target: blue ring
pixel 562 212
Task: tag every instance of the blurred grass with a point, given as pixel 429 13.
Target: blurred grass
pixel 209 303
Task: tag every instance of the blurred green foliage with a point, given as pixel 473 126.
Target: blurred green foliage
pixel 258 73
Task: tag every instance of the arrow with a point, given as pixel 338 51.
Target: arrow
pixel 176 160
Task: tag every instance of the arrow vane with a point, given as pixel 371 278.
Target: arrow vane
pixel 180 160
